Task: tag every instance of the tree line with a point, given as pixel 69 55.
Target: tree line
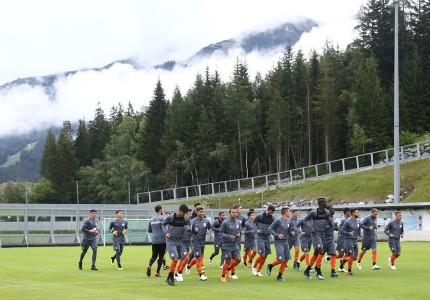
pixel 307 109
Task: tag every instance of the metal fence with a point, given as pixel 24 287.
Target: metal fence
pixel 43 224
pixel 332 168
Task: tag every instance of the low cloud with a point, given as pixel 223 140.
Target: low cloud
pixel 24 108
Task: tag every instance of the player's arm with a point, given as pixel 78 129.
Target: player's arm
pixel 223 230
pixel 208 227
pixel 363 224
pixel 124 230
pixel 85 226
pixel 165 227
pixel 149 227
pixel 215 227
pixel 273 227
pixel 346 229
pixel 249 229
pixel 387 229
pixel 402 231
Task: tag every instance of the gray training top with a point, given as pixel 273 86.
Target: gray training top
pixel 303 226
pixel 228 228
pixel 396 228
pixel 199 228
pixel 351 225
pixel 250 230
pixel 155 227
pixel 118 226
pixel 176 227
pixel 365 224
pixel 320 220
pixel 341 237
pixel 262 222
pixel 280 226
pixel 89 224
pixel 216 228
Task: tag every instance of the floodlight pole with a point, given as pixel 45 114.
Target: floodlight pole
pixel 396 106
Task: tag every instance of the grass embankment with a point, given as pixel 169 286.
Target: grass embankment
pixel 372 185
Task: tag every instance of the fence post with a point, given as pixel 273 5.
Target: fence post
pixel 213 189
pixel 386 157
pixel 343 165
pixel 279 178
pixel 357 162
pixel 316 171
pixel 402 153
pixel 161 194
pixel 238 185
pixel 304 174
pixel 329 167
pixel 267 181
pixel 174 193
pixel 200 190
pixel 418 151
pixel 371 160
pixel 291 176
pixel 252 183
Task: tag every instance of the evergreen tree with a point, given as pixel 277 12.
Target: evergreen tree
pixel 99 131
pixel 82 145
pixel 48 156
pixel 150 136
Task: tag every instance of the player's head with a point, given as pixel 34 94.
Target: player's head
pixel 197 204
pixel 295 213
pixel 118 214
pixel 347 212
pixel 398 215
pixel 322 202
pixel 331 209
pixel 158 209
pixel 182 211
pixel 238 207
pixel 221 215
pixel 285 212
pixel 355 213
pixel 251 215
pixel 251 209
pixel 232 213
pixel 190 213
pixel 200 212
pixel 270 210
pixel 374 213
pixel 93 214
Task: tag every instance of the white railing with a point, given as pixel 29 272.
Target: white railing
pixel 263 182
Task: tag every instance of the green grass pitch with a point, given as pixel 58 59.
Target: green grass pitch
pixel 52 273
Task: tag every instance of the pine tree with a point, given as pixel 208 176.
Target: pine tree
pixel 48 156
pixel 150 136
pixel 99 131
pixel 82 145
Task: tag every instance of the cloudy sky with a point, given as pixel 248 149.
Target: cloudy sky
pixel 50 36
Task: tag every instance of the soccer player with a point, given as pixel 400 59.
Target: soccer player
pixel 230 231
pixel 262 222
pixel 187 243
pixel 118 228
pixel 250 246
pixel 174 227
pixel 341 240
pixel 293 240
pixel 320 218
pixel 90 231
pixel 158 240
pixel 303 229
pixel 351 230
pixel 281 229
pixel 200 227
pixel 216 228
pixel 329 245
pixel 369 227
pixel 395 231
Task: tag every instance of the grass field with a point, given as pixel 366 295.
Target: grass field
pixel 52 273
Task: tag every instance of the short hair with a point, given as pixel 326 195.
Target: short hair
pixel 158 207
pixel 118 211
pixel 250 213
pixel 397 212
pixel 199 209
pixel 220 213
pixel 229 211
pixel 284 209
pixel 353 210
pixel 236 206
pixel 295 210
pixel 375 209
pixel 183 208
pixel 321 199
pixel 190 210
pixel 197 204
pixel 271 207
pixel 251 209
pixel 329 207
pixel 93 210
pixel 346 209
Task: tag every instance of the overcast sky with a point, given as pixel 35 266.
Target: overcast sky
pixel 45 37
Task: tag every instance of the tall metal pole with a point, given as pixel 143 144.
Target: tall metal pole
pixel 26 215
pixel 396 106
